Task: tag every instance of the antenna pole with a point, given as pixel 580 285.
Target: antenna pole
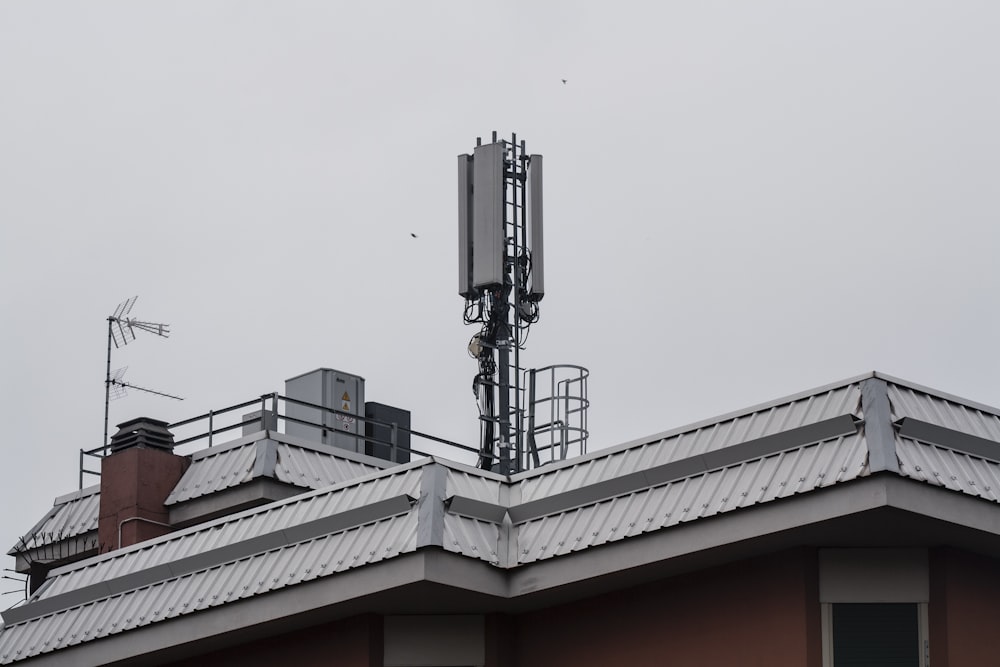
pixel 506 460
pixel 107 384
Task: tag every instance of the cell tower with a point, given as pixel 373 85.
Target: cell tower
pixel 501 276
pixel 121 332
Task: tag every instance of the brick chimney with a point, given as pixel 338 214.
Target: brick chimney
pixel 136 477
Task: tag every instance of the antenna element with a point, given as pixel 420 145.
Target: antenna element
pixel 121 332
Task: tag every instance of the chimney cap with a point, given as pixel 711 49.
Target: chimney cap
pixel 142 432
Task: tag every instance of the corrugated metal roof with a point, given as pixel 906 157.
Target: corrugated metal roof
pixel 70 516
pixel 315 469
pixel 909 402
pixel 228 466
pixel 472 484
pixel 698 439
pixel 954 470
pixel 235 528
pixel 265 572
pixel 472 538
pixel 749 483
pixel 224 468
pixel 581 508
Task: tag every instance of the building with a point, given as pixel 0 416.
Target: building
pixel 857 523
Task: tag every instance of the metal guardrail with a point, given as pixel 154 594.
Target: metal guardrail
pixel 553 417
pixel 208 426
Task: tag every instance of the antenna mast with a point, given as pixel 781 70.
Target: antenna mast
pixel 501 279
pixel 121 332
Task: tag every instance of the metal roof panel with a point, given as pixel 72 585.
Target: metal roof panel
pixel 472 485
pixel 75 515
pixel 268 571
pixel 960 416
pixel 229 467
pixel 949 468
pixel 472 537
pixel 314 469
pixel 231 529
pixel 698 496
pixel 712 436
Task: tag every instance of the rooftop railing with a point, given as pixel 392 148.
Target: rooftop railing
pixel 211 428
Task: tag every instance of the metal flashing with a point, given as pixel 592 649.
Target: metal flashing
pixel 475 509
pixel 878 426
pixel 256 492
pixel 328 525
pixel 940 436
pixel 266 459
pixel 828 429
pixel 430 513
pixel 376 511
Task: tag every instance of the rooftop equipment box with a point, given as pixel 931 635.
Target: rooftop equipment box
pixel 333 390
pixel 380 435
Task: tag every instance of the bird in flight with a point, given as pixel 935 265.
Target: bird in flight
pixel 564 82
pixel 413 235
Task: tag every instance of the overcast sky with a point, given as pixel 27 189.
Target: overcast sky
pixel 743 200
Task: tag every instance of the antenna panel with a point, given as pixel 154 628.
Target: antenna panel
pixel 465 215
pixel 488 215
pixel 536 286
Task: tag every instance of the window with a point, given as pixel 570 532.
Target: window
pixel 875 635
pixel 874 607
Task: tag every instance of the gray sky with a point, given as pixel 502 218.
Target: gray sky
pixel 743 200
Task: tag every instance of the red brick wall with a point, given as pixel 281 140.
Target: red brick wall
pixel 763 612
pixel 964 609
pixel 134 483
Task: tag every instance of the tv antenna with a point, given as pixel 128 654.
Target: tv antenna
pixel 118 387
pixel 121 332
